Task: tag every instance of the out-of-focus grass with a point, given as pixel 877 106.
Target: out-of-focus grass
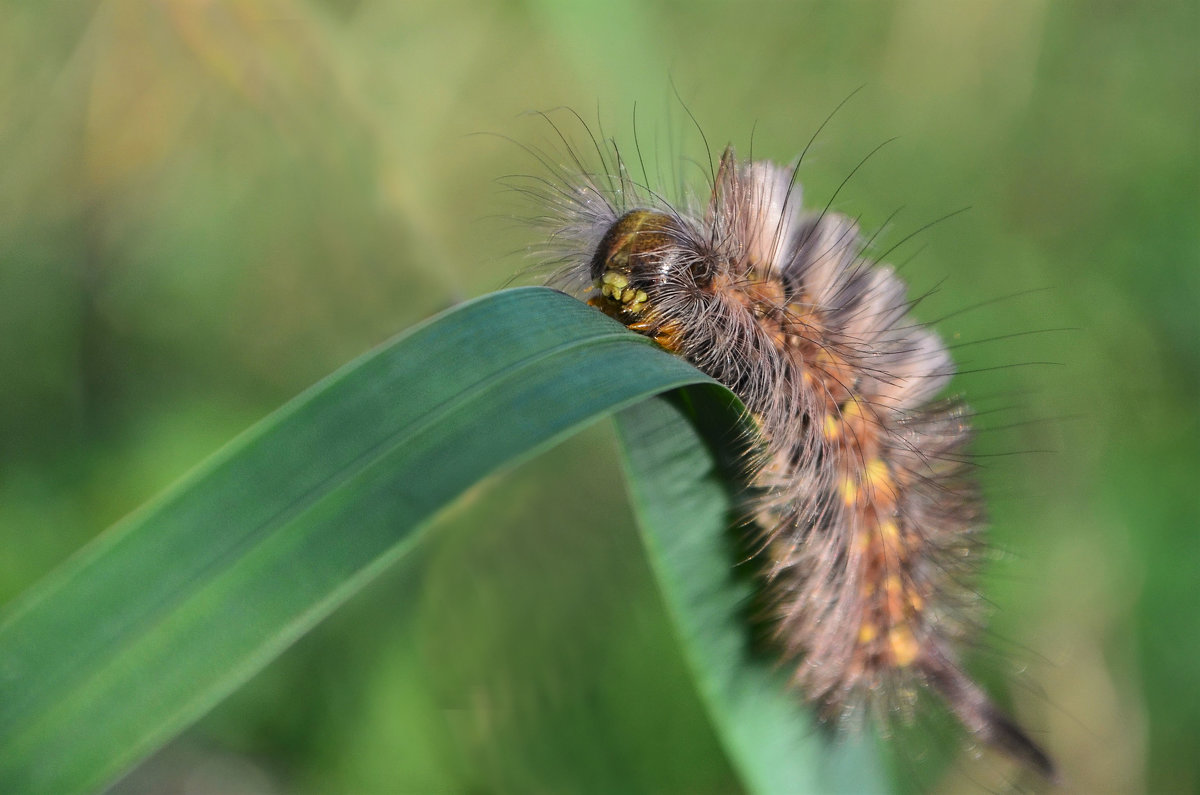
pixel 206 206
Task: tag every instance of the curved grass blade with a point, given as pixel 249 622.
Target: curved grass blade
pixel 677 456
pixel 147 628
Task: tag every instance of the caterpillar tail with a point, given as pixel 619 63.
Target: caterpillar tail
pixel 982 718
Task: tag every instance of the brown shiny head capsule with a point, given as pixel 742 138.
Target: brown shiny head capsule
pixel 632 259
pixel 633 246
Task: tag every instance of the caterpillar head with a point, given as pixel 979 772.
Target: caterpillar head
pixel 632 260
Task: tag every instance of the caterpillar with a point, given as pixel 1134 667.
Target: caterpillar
pixel 868 520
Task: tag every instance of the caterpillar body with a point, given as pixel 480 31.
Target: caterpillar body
pixel 869 515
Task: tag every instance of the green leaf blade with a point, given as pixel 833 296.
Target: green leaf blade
pixel 145 630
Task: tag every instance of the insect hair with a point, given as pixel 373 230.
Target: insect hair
pixel 867 517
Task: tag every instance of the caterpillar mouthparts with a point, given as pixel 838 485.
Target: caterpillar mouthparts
pixel 868 517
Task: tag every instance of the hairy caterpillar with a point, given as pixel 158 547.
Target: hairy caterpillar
pixel 868 514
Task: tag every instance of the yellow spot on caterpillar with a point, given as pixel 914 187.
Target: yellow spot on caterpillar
pixel 890 532
pixel 849 491
pixel 878 479
pixel 903 645
pixel 832 427
pixel 877 472
pixel 915 602
pixel 866 633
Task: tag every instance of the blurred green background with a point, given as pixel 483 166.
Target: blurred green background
pixel 206 205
